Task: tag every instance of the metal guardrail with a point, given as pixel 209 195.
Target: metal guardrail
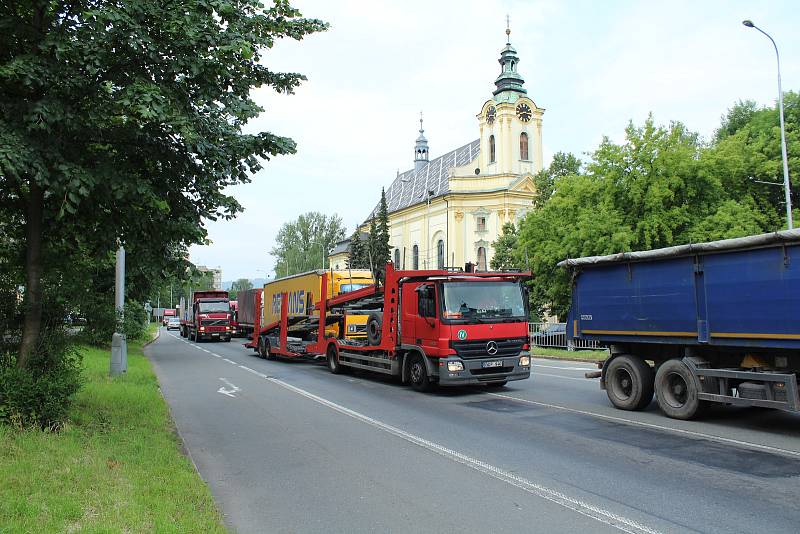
pixel 554 335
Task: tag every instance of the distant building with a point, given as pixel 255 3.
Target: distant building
pixel 216 275
pixel 448 211
pixel 337 258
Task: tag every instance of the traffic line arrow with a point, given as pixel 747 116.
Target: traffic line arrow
pixel 229 392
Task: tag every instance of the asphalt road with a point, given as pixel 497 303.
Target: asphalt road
pixel 289 447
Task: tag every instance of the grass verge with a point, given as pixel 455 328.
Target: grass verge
pixel 116 467
pixel 575 355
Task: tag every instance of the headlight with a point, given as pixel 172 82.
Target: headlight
pixel 351 328
pixel 202 328
pixel 524 361
pixel 227 328
pixel 455 366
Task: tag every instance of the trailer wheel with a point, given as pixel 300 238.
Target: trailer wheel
pixel 629 383
pixel 418 373
pixel 264 348
pixel 676 390
pixel 333 360
pixel 374 327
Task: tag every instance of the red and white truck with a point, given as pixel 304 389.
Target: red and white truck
pixel 208 318
pixel 424 327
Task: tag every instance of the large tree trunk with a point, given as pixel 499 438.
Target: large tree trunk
pixel 33 272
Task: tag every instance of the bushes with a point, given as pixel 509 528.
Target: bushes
pixel 39 396
pixel 101 321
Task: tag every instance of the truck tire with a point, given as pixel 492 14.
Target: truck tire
pixel 418 373
pixel 333 360
pixel 264 348
pixel 629 382
pixel 374 327
pixel 676 390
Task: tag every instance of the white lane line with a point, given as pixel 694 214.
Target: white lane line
pixel 567 368
pixel 589 510
pixel 214 354
pixel 692 433
pixel 230 361
pixel 262 375
pixel 586 380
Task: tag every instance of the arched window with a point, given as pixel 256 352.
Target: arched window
pixel 481 259
pixel 415 257
pixel 523 146
pixel 491 149
pixel 397 258
pixel 440 254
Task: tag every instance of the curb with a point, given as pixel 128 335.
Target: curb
pixel 556 358
pixel 158 335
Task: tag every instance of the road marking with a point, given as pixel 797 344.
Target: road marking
pixel 586 380
pixel 692 433
pixel 226 391
pixel 262 375
pixel 568 368
pixel 230 361
pixel 604 516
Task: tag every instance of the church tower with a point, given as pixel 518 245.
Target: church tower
pixel 421 148
pixel 510 122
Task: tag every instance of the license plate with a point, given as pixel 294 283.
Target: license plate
pixel 495 363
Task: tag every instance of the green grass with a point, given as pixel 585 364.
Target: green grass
pixel 591 355
pixel 116 467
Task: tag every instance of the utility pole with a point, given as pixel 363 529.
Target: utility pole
pixel 119 345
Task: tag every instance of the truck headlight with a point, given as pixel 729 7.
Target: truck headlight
pixel 454 366
pixel 227 328
pixel 202 328
pixel 524 361
pixel 351 328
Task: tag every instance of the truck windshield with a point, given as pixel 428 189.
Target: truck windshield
pixel 214 306
pixel 482 301
pixel 347 288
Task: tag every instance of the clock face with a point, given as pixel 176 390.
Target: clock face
pixel 524 112
pixel 491 113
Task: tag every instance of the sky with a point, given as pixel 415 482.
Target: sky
pixel 593 66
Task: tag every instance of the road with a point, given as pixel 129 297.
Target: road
pixel 289 447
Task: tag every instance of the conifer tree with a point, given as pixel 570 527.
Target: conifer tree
pixel 357 258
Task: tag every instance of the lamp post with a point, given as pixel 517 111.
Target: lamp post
pixel 786 185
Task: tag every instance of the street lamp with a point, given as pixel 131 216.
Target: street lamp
pixel 750 24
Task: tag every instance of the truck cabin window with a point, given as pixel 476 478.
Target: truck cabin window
pixel 482 301
pixel 427 301
pixel 347 288
pixel 214 306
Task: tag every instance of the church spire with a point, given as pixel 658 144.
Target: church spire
pixel 509 79
pixel 421 148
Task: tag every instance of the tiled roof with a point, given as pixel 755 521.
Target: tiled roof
pixel 411 187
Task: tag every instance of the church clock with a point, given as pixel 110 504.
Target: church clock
pixel 524 112
pixel 491 113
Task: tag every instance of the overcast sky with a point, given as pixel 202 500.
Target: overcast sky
pixel 592 65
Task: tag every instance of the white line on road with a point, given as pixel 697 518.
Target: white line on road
pixel 567 368
pixel 692 433
pixel 622 523
pixel 586 380
pixel 230 361
pixel 262 375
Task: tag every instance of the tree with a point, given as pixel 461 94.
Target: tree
pixel 358 257
pixel 303 244
pixel 123 121
pixel 380 251
pixel 242 284
pixel 563 164
pixel 504 249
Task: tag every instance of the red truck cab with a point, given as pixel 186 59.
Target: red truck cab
pixel 210 317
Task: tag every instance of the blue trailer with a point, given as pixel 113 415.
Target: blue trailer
pixel 695 324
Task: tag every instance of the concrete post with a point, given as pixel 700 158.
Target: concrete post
pixel 119 345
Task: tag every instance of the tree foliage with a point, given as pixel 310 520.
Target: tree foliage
pixel 379 250
pixel 303 244
pixel 504 257
pixel 358 256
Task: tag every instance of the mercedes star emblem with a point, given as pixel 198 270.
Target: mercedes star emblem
pixel 491 347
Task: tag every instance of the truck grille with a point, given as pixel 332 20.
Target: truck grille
pixel 478 348
pixel 214 322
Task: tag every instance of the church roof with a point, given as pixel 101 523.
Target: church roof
pixel 411 187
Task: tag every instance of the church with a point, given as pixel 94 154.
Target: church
pixel 447 211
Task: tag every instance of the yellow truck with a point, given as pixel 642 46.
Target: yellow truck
pixel 303 291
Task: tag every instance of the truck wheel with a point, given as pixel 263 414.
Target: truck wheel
pixel 333 360
pixel 374 327
pixel 676 390
pixel 263 348
pixel 629 383
pixel 418 373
